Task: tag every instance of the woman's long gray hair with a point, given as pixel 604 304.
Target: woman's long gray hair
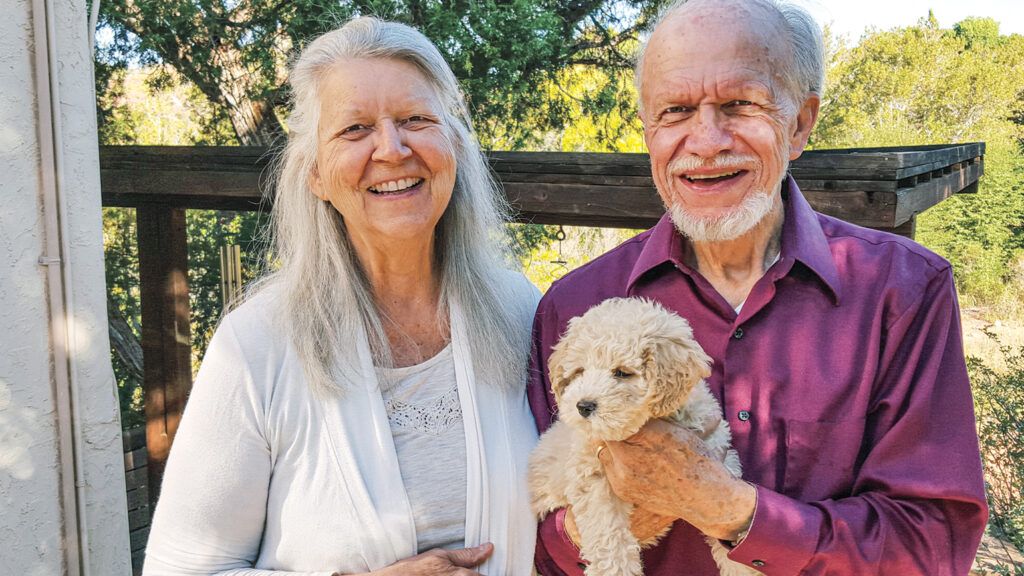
pixel 322 293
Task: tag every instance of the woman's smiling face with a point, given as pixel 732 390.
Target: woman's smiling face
pixel 385 160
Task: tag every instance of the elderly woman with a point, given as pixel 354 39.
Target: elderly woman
pixel 364 409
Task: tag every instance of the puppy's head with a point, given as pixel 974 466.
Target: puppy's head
pixel 625 361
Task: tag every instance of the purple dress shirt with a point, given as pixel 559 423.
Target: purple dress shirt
pixel 843 380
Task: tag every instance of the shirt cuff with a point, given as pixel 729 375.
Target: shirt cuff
pixel 558 545
pixel 783 534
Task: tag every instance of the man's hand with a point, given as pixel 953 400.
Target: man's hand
pixel 667 469
pixel 644 524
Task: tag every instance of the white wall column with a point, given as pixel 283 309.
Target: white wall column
pixel 62 495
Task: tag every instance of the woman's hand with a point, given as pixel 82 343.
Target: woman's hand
pixel 440 562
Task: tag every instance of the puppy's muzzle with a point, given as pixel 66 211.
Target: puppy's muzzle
pixel 586 407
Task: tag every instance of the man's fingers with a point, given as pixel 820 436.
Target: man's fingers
pixel 470 557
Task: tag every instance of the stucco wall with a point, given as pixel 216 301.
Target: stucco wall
pixel 30 481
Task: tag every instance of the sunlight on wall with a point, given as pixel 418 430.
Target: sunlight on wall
pixel 9 138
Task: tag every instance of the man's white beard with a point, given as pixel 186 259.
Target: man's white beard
pixel 728 226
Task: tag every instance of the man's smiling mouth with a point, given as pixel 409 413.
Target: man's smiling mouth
pixel 713 178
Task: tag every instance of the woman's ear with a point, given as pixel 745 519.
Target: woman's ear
pixel 316 185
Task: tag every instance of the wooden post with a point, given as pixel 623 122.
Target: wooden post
pixel 166 345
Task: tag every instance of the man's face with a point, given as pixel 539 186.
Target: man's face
pixel 719 123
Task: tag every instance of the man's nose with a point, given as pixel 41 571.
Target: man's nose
pixel 710 135
pixel 390 145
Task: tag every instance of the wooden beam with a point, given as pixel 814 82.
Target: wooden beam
pixel 877 187
pixel 924 195
pixel 166 346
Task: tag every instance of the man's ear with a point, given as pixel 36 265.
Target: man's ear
pixel 805 120
pixel 316 185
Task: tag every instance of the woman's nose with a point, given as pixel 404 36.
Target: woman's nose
pixel 390 143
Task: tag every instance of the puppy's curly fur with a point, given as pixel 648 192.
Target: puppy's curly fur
pixel 622 363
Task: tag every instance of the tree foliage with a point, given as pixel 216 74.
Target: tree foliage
pixel 927 85
pixel 235 51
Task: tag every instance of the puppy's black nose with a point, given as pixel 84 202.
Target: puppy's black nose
pixel 586 407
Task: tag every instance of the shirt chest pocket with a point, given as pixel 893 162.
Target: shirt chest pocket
pixel 821 458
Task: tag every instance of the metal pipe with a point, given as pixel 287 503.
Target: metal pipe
pixel 94 18
pixel 58 273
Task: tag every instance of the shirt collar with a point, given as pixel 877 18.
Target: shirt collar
pixel 803 241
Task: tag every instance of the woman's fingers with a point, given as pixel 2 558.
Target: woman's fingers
pixel 470 557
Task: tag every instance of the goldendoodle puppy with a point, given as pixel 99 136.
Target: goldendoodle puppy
pixel 622 363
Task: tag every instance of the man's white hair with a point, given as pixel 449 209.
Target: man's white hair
pixel 321 291
pixel 804 74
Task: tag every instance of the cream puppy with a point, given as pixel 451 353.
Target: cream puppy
pixel 621 364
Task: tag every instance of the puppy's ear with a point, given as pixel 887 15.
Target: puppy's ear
pixel 673 365
pixel 558 373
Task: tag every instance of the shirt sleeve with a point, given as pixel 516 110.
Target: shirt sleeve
pixel 213 500
pixel 556 555
pixel 918 501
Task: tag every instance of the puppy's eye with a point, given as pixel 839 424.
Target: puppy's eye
pixel 622 373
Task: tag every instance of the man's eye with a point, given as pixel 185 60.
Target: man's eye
pixel 740 103
pixel 675 113
pixel 621 373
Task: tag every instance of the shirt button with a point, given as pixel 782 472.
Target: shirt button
pixel 738 334
pixel 757 563
pixel 743 415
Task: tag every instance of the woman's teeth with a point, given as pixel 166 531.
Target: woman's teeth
pixel 395 186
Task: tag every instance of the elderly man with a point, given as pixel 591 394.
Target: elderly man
pixel 837 350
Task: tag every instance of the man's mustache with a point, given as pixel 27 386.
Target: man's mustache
pixel 727 162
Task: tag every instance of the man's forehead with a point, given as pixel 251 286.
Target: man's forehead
pixel 709 32
pixel 707 23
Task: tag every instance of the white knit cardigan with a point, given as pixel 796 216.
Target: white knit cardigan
pixel 265 478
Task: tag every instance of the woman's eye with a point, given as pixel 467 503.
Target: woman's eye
pixel 354 130
pixel 417 120
pixel 621 373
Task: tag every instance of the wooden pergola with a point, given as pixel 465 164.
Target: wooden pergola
pixel 882 188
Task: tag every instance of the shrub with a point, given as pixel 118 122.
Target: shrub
pixel 999 406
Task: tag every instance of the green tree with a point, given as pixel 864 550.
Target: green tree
pixel 234 51
pixel 927 85
pixel 978 31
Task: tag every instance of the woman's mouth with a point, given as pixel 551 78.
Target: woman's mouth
pixel 395 187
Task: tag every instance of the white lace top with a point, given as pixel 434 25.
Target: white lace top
pixel 423 408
